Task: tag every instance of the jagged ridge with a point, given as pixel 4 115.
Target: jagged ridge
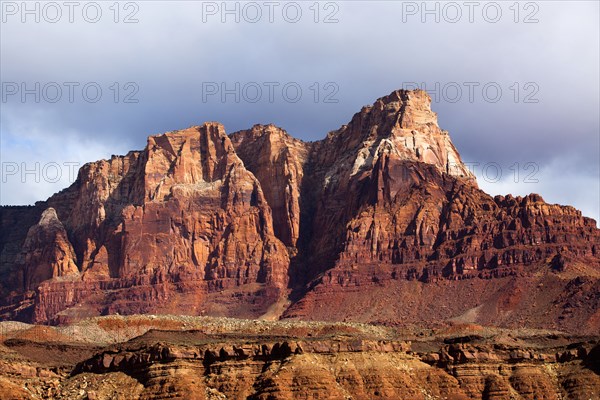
pixel 204 223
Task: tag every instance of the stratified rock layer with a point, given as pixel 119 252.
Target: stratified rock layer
pixel 176 357
pixel 159 230
pixel 379 222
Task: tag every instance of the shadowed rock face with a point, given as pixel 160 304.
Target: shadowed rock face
pixel 378 222
pixel 277 160
pixel 46 252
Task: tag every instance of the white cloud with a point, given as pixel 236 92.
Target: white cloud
pixel 39 163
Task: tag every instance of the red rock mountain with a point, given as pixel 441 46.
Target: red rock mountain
pixel 378 222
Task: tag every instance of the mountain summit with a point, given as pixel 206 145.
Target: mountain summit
pixel 378 222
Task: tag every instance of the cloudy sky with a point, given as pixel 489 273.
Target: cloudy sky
pixel 517 86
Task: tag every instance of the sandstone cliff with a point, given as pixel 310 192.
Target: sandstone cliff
pixel 378 222
pixel 161 229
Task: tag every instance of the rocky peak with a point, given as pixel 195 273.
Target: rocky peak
pixel 49 217
pixel 196 156
pixel 46 252
pixel 204 223
pixel 402 123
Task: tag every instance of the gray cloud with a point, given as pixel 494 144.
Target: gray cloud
pixel 371 51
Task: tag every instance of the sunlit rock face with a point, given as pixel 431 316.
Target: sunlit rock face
pixel 380 221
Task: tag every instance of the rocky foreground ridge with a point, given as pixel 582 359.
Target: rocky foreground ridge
pixel 176 357
pixel 379 222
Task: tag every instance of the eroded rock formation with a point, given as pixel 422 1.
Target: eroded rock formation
pixel 157 357
pixel 379 222
pixel 46 253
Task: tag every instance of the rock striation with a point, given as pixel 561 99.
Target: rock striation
pixel 160 229
pixel 356 368
pixel 379 222
pixel 175 357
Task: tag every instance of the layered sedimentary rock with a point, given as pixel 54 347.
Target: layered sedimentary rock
pixel 416 242
pixel 356 369
pixel 161 229
pixel 380 221
pixel 380 154
pixel 152 357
